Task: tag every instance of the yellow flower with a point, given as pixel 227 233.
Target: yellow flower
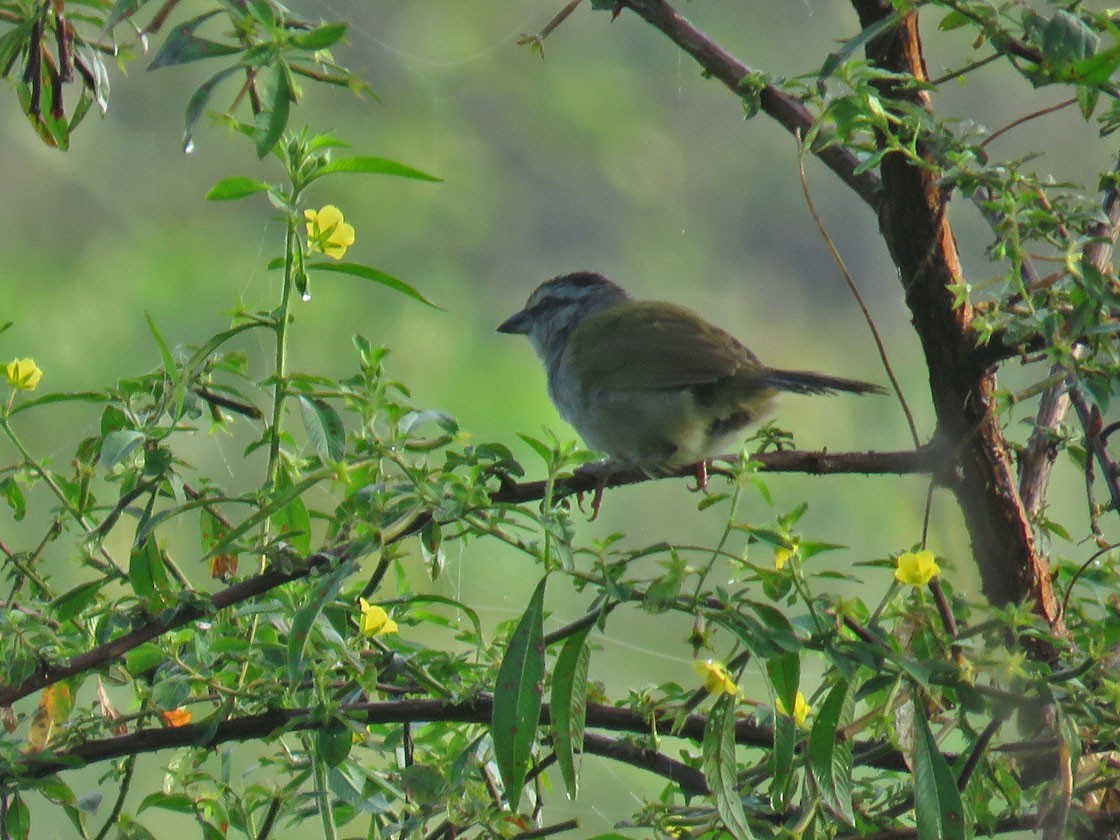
pixel 782 556
pixel 375 621
pixel 800 709
pixel 916 568
pixel 23 374
pixel 327 232
pixel 716 678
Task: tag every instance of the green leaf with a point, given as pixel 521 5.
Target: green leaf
pixel 230 189
pixel 73 601
pixel 178 803
pixel 720 766
pixel 292 522
pixel 321 37
pixel 17 821
pixel 517 697
pixel 569 706
pixel 122 9
pixel 325 429
pixel 954 20
pixel 169 365
pixel 333 742
pixel 211 530
pixel 424 784
pixel 13 495
pixel 830 755
pixel 182 45
pixel 325 591
pixel 835 59
pixel 781 762
pixel 374 166
pixel 49 399
pixel 785 674
pixel 147 572
pixel 543 450
pixel 197 103
pixel 1067 39
pixel 143 658
pixel 276 114
pixel 937 802
pixel 119 445
pixel 365 272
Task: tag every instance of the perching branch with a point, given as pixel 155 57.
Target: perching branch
pixel 929 459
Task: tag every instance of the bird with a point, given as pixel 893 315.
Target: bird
pixel 651 384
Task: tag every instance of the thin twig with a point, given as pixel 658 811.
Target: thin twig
pixel 559 18
pixel 1041 112
pixel 851 283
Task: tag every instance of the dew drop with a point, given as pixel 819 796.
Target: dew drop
pixel 305 297
pixel 188 147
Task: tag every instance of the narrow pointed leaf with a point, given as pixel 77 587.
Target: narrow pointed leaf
pixel 830 757
pixel 169 364
pixel 73 601
pixel 721 768
pixel 517 697
pixel 230 189
pixel 17 818
pixel 306 616
pixel 292 522
pixel 569 706
pixel 785 675
pixel 321 37
pixel 197 103
pixel 367 273
pixel 182 45
pixel 937 802
pixel 276 114
pixel 374 166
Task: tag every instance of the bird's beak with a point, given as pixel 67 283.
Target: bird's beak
pixel 516 324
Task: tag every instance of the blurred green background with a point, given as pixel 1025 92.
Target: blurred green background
pixel 612 154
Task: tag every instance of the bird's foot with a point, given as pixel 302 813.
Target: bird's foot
pixel 701 476
pixel 601 471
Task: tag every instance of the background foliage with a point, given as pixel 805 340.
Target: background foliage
pixel 612 154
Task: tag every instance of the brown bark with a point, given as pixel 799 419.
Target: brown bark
pixel 913 220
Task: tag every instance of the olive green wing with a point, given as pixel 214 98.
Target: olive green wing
pixel 647 345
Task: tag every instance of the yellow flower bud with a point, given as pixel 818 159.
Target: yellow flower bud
pixel 23 374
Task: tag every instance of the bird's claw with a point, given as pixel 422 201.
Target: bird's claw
pixel 701 476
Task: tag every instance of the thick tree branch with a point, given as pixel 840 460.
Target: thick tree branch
pixel 912 218
pixel 420 710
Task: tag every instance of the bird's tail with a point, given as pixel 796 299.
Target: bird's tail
pixel 806 382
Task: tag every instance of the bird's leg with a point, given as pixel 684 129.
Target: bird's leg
pixel 597 499
pixel 701 475
pixel 602 470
